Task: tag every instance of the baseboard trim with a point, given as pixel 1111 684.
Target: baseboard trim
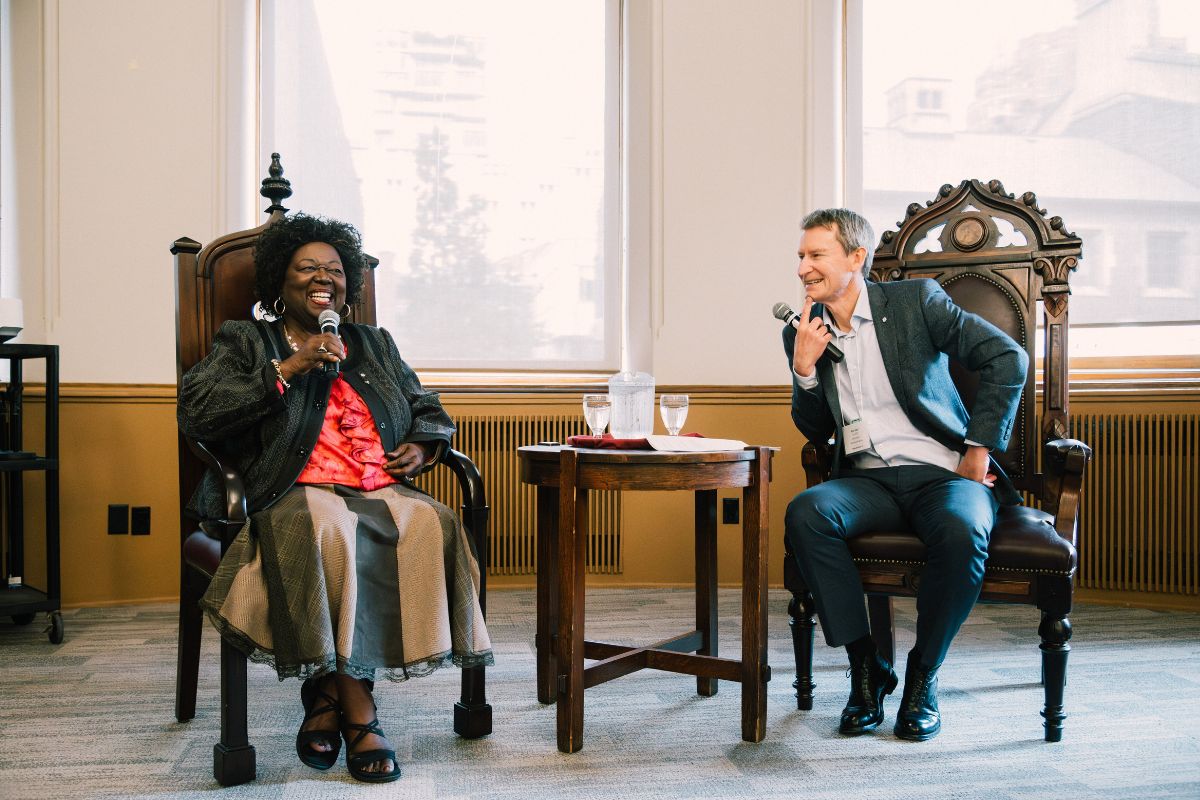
pixel 1154 601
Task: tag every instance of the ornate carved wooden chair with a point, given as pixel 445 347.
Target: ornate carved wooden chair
pixel 999 257
pixel 214 284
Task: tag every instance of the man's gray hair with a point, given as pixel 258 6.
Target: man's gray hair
pixel 851 229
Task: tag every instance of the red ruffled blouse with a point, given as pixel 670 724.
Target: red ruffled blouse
pixel 349 451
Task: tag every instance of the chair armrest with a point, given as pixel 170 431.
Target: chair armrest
pixel 231 480
pixel 469 479
pixel 817 463
pixel 1065 462
pixel 474 511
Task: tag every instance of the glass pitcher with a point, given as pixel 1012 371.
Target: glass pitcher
pixel 632 396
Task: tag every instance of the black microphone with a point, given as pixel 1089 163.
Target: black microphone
pixel 329 321
pixel 783 311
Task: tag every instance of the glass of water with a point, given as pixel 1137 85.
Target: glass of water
pixel 673 408
pixel 596 410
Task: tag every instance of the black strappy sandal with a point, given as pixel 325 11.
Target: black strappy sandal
pixel 310 696
pixel 357 763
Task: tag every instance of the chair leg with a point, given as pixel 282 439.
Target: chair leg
pixel 472 714
pixel 233 756
pixel 187 657
pixel 883 625
pixel 1055 631
pixel 803 613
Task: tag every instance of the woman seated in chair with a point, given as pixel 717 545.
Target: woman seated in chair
pixel 343 571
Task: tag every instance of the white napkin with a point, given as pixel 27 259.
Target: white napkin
pixel 693 444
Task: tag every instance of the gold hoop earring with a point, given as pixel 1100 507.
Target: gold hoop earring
pixel 276 306
pixel 346 313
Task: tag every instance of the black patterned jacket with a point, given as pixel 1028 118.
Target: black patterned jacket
pixel 231 401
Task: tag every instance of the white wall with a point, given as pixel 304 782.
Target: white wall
pixel 123 95
pixel 21 200
pixel 133 148
pixel 733 79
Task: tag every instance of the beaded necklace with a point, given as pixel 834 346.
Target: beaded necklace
pixel 291 342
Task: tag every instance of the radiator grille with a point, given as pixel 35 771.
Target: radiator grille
pixel 1140 518
pixel 492 441
pixel 1139 521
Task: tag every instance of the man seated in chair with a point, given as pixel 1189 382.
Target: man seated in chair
pixel 907 454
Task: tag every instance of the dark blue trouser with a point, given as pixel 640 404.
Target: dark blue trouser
pixel 953 516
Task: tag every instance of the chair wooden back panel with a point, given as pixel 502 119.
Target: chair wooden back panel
pixel 999 257
pixel 218 285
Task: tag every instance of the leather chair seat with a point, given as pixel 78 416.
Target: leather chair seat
pixel 1024 539
pixel 202 550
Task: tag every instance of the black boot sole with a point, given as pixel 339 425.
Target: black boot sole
pixel 859 730
pixel 919 737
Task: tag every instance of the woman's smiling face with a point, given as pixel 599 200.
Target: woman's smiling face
pixel 314 282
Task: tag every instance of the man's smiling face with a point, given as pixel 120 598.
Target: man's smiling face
pixel 827 270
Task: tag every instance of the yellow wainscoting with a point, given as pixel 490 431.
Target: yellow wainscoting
pixel 118 446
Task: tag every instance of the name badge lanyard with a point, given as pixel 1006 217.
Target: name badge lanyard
pixel 855 438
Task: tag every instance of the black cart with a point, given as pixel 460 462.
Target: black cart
pixel 18 599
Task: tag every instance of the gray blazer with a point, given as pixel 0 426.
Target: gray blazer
pixel 920 329
pixel 230 400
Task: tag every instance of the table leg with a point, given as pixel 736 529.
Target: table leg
pixel 547 593
pixel 755 671
pixel 572 540
pixel 706 582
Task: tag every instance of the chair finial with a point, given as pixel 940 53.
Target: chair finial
pixel 276 188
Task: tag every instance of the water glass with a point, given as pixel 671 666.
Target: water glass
pixel 596 410
pixel 673 408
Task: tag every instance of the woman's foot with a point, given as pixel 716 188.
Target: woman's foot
pixel 369 755
pixel 318 743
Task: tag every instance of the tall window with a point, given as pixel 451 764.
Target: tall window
pixel 1092 104
pixel 475 144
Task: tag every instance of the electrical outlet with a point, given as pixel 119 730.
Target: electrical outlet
pixel 139 520
pixel 118 519
pixel 729 510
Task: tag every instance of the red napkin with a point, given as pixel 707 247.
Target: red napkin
pixel 608 442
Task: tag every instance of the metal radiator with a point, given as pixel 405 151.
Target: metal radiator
pixel 492 441
pixel 1139 521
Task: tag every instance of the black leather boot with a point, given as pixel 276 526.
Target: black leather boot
pixel 918 718
pixel 871 679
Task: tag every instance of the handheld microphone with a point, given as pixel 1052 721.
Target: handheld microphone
pixel 783 312
pixel 329 321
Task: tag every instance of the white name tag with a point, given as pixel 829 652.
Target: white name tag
pixel 855 437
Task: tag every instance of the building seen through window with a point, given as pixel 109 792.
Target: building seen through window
pixel 1092 104
pixel 477 154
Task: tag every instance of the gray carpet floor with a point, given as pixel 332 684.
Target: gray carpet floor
pixel 93 717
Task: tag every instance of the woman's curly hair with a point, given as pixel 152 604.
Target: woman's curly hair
pixel 280 241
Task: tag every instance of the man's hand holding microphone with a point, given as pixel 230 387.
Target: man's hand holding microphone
pixel 813 337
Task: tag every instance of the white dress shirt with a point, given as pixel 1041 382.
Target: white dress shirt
pixel 865 393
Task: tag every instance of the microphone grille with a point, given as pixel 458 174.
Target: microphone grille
pixel 782 311
pixel 328 317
